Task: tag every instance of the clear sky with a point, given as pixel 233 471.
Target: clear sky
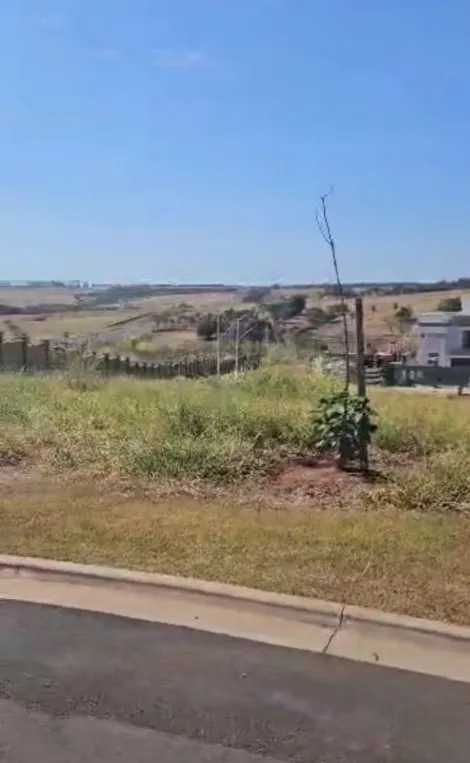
pixel 188 140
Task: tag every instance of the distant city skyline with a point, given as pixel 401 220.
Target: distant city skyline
pixel 83 284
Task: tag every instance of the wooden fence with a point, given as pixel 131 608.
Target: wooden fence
pixel 20 355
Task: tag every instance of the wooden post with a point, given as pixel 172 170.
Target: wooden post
pixel 218 344
pixel 24 351
pixel 361 376
pixel 47 354
pixel 237 348
pixel 1 349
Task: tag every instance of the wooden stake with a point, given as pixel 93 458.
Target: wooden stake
pixel 218 345
pixel 361 375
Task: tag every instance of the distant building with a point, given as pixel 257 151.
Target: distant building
pixel 444 338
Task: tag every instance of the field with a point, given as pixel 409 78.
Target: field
pixel 213 479
pixel 151 315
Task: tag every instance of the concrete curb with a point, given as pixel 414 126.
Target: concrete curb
pixel 370 619
pixel 323 613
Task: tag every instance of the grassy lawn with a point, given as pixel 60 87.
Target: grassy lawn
pixel 178 477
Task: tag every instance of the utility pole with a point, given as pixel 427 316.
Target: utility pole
pixel 361 376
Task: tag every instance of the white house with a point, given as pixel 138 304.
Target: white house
pixel 444 338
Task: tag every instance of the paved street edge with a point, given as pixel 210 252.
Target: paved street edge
pixel 322 613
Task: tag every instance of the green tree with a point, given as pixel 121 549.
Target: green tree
pixel 450 305
pixel 287 308
pixel 207 327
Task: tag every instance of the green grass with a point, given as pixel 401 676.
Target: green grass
pixel 422 425
pixel 217 430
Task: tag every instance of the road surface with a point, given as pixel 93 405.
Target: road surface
pixel 78 686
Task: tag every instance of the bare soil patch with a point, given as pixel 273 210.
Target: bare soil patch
pixel 318 480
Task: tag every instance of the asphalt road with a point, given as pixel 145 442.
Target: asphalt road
pixel 78 687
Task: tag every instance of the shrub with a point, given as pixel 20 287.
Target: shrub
pixel 207 327
pixel 342 422
pixel 404 313
pixel 450 305
pixel 256 294
pixel 288 308
pixel 338 308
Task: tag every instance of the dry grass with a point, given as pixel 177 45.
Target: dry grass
pixel 399 545
pixel 378 321
pixel 87 322
pixel 400 562
pixel 23 296
pixel 204 301
pixel 74 323
pixel 186 340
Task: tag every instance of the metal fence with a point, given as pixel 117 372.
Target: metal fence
pixel 400 375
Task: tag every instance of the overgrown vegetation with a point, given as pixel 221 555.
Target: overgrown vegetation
pixel 105 452
pixel 216 430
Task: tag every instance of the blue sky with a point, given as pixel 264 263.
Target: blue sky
pixel 188 140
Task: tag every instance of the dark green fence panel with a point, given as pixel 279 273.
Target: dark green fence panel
pixel 399 375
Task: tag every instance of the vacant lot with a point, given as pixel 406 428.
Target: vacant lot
pixel 203 478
